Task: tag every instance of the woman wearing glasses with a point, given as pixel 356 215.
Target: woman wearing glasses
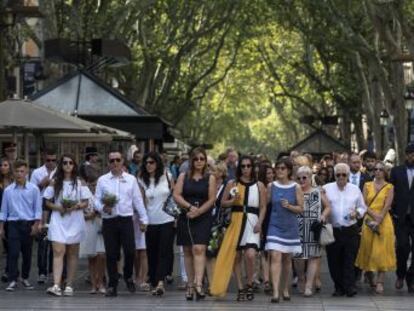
pixel 377 250
pixel 283 238
pixel 195 192
pixel 67 197
pixel 160 231
pixel 247 199
pixel 316 209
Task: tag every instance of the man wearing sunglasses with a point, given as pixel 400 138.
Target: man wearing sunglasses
pixel 41 177
pixel 402 210
pixel 347 205
pixel 117 226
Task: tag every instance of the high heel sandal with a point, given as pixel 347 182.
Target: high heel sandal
pixel 158 291
pixel 241 295
pixel 249 292
pixel 286 297
pixel 189 295
pixel 199 292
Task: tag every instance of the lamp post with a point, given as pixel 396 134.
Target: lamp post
pixel 384 124
pixel 409 106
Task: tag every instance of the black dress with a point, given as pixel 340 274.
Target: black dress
pixel 196 230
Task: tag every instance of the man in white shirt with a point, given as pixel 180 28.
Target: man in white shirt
pixel 356 177
pixel 41 177
pixel 118 227
pixel 347 204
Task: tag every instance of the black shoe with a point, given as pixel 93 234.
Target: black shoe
pixel 286 298
pixel 169 279
pixel 111 292
pixel 274 300
pixel 131 286
pixel 338 293
pixel 200 295
pixel 4 278
pixel 351 293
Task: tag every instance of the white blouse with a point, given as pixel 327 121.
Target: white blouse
pixel 155 196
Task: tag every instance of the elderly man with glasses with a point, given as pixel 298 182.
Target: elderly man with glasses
pixel 347 206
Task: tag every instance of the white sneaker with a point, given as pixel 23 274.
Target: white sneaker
pixel 54 290
pixel 68 291
pixel 12 286
pixel 26 284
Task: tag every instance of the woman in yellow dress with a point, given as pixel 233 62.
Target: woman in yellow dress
pixel 377 250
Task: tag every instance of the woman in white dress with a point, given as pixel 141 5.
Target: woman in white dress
pixel 92 247
pixel 67 197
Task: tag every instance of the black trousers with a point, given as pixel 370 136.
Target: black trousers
pixel 404 232
pixel 118 232
pixel 20 241
pixel 44 256
pixel 341 258
pixel 159 240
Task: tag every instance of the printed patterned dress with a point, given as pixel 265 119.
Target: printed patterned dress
pixel 312 212
pixel 239 235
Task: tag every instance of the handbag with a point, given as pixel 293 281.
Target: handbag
pixel 170 207
pixel 326 236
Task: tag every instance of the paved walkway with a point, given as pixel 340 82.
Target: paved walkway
pixel 37 299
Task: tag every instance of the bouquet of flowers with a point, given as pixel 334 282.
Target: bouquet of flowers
pixel 234 191
pixel 109 199
pixel 68 203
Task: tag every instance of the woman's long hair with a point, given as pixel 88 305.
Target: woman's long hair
pixel 262 174
pixel 194 153
pixel 159 171
pixel 8 176
pixel 239 169
pixel 60 174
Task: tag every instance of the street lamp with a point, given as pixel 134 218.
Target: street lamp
pixel 384 124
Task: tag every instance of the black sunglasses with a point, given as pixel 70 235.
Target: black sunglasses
pixel 114 160
pixel 200 159
pixel 341 175
pixel 67 162
pixel 302 178
pixel 149 162
pixel 246 166
pixel 50 160
pixel 379 169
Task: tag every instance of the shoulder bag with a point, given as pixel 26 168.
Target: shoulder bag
pixel 170 207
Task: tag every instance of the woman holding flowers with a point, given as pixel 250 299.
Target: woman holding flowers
pixel 67 197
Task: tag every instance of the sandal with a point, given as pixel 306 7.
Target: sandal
pixel 241 295
pixel 379 288
pixel 159 290
pixel 144 287
pixel 249 292
pixel 267 288
pixel 189 295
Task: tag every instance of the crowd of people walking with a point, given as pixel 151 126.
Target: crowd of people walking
pixel 237 215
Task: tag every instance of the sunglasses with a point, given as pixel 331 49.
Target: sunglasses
pixel 50 160
pixel 200 159
pixel 302 178
pixel 341 175
pixel 114 160
pixel 150 162
pixel 67 162
pixel 246 166
pixel 281 168
pixel 379 169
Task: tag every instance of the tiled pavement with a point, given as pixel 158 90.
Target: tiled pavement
pixel 173 300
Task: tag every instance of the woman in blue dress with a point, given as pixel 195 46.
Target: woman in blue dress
pixel 283 239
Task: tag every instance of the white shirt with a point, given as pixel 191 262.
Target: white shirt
pixel 343 202
pixel 354 178
pixel 38 175
pixel 156 195
pixel 125 188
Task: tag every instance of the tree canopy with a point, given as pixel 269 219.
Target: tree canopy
pixel 256 75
